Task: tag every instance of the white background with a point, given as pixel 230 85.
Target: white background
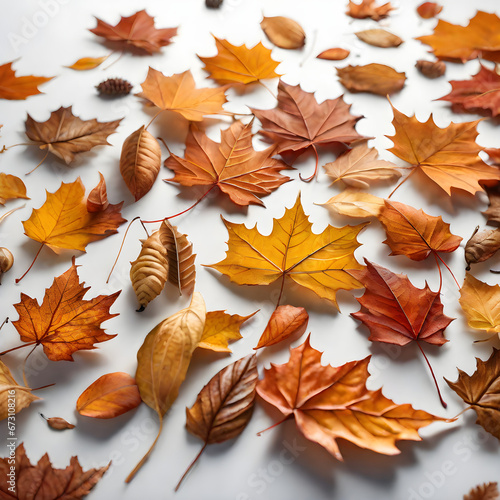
pixel 452 457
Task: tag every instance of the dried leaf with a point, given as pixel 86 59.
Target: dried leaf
pixel 97 200
pixel 486 491
pixel 65 322
pixel 494 154
pixel 379 38
pixel 493 211
pixel 359 167
pixel 330 403
pixel 481 391
pixel 481 246
pixel 43 482
pixel 239 64
pixel 284 322
pixel 239 171
pixel 428 10
pixel 375 78
pixel 86 63
pixel 316 261
pixel 66 135
pixel 220 328
pixel 354 203
pixel 11 187
pixel 178 93
pixel 21 396
pixel 334 54
pixel 14 87
pixel 431 69
pixel 283 32
pixel 368 8
pixel 137 30
pixel 111 395
pixel 140 162
pixel 58 423
pixel 448 156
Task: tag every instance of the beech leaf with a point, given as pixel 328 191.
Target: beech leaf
pixel 334 54
pixel 353 203
pixel 428 10
pixel 379 38
pixel 481 246
pixel 283 32
pixel 86 63
pixel 375 78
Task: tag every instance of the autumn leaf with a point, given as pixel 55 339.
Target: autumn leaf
pixel 431 69
pixel 178 93
pixel 368 8
pixel 97 200
pixel 481 246
pixel 375 78
pixel 285 321
pixel 480 38
pixel 42 481
pixel 334 54
pixel 379 38
pixel 353 203
pixel 299 122
pixel 87 63
pixel 480 303
pixel 486 491
pixel 233 166
pixel 481 391
pixel 220 328
pixel 283 32
pixel 493 211
pixel 224 406
pixel 66 135
pixel 239 64
pixel 428 10
pixel 11 187
pixel 494 154
pixel 138 31
pixel 65 322
pixel 14 87
pixel 23 396
pixel 163 361
pixel 57 423
pixel 315 261
pixel 359 167
pixel 448 156
pixel 480 93
pixel 111 395
pixel 330 403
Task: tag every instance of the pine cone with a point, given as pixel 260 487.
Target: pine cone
pixel 213 4
pixel 114 87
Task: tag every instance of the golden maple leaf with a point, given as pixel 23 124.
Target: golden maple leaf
pixel 179 93
pixel 315 261
pixel 18 87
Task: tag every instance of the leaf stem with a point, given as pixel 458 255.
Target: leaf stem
pixel 153 119
pixel 403 181
pixel 42 387
pixel 115 61
pixel 190 466
pixel 288 417
pixel 17 347
pixel 309 179
pixel 281 290
pixel 6 320
pixel 433 376
pixel 449 270
pixel 28 270
pixel 440 273
pixel 43 159
pixel 268 89
pixel 24 365
pixel 459 415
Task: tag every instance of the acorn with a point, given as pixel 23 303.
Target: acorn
pixel 114 87
pixel 6 261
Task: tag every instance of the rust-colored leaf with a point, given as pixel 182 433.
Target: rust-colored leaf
pixel 334 54
pixel 431 69
pixel 66 135
pixel 428 10
pixel 379 38
pixel 493 211
pixel 486 491
pixel 375 78
pixel 284 322
pixel 330 403
pixel 481 246
pixel 137 30
pixel 481 391
pixel 86 63
pixel 353 203
pixel 18 87
pixel 494 154
pixel 11 187
pixel 43 482
pixel 111 395
pixel 58 423
pixel 283 32
pixel 97 200
pixel 368 8
pixel 233 166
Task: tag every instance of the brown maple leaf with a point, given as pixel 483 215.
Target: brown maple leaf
pixel 137 30
pixel 300 122
pixel 233 166
pixel 65 135
pixel 331 403
pixel 376 78
pixel 480 38
pixel 486 491
pixel 368 8
pixel 43 482
pixel 18 87
pixel 480 93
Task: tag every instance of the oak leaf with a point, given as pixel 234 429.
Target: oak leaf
pixel 239 64
pixel 486 491
pixel 368 8
pixel 480 93
pixel 359 167
pixel 220 328
pixel 111 395
pixel 11 187
pixel 481 246
pixel 447 156
pixel 65 135
pixel 334 54
pixel 300 122
pixel 379 38
pixel 137 30
pixel 480 38
pixel 233 166
pixel 43 482
pixel 428 10
pixel 318 262
pixel 481 391
pixel 331 403
pixel 480 303
pixel 283 32
pixel 178 93
pixel 18 87
pixel 224 406
pixel 65 322
pixel 23 396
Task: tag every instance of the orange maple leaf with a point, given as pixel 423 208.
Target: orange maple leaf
pixel 368 8
pixel 329 403
pixel 234 166
pixel 137 30
pixel 18 87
